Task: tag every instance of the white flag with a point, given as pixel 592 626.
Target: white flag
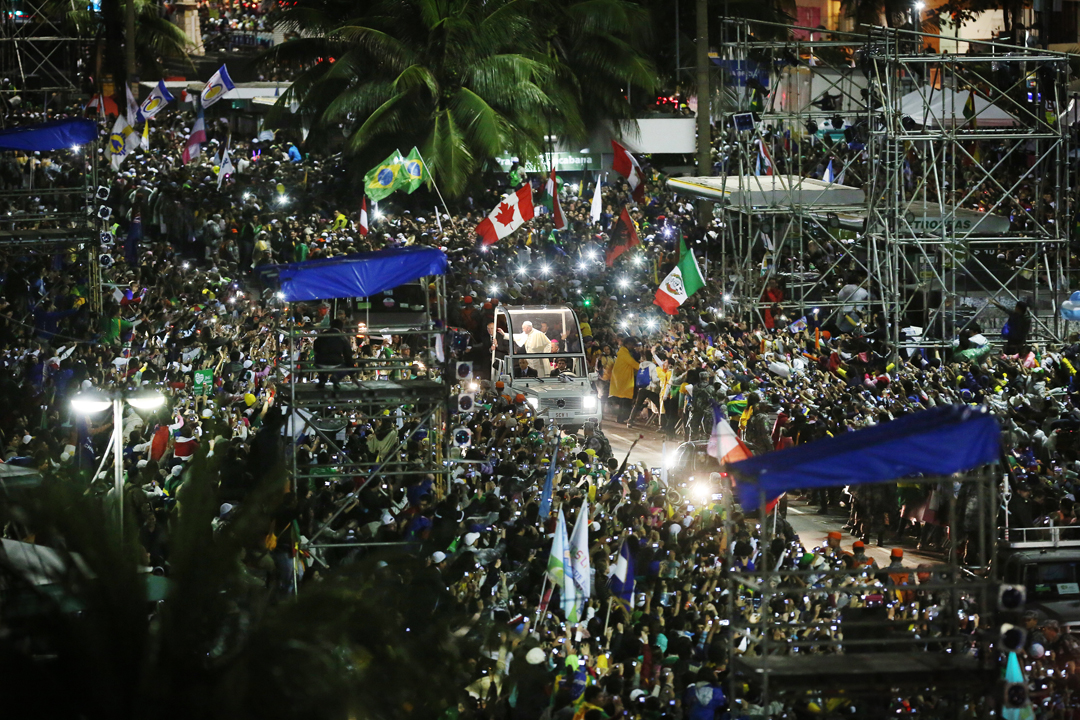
pixel 597 206
pixel 225 169
pixel 579 561
pixel 122 141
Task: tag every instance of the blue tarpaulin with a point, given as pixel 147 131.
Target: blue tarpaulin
pixel 357 275
pixel 52 135
pixel 935 442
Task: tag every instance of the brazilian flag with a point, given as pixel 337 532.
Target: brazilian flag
pixel 415 171
pixel 386 177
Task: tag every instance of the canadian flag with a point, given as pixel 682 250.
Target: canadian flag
pixel 363 217
pixel 627 165
pixel 510 214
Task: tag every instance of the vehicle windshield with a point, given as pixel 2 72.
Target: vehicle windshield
pixel 545 343
pixel 1050 581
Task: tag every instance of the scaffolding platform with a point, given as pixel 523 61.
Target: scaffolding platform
pixel 369 393
pixel 870 672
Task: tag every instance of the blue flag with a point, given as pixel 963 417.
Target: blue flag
pixel 622 580
pixel 549 482
pixel 159 97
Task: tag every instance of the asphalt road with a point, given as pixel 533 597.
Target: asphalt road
pixel 811 527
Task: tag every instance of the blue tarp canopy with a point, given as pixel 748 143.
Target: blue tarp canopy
pixel 939 441
pixel 357 275
pixel 52 135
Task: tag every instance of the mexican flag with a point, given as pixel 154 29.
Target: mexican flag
pixel 551 200
pixel 684 280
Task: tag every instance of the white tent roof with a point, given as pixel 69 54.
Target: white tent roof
pixel 945 107
pixel 769 191
pixel 926 218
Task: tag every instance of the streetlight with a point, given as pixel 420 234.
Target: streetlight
pixel 93 401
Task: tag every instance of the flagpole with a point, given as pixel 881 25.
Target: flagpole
pixel 610 600
pixel 436 186
pixel 540 605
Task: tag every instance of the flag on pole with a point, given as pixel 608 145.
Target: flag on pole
pixel 623 237
pixel 226 168
pixel 195 140
pixel 415 171
pixel 579 564
pixel 363 217
pixel 511 213
pixel 132 109
pixel 559 559
pixel 597 205
pixel 764 161
pixel 146 136
pixel 122 141
pixel 159 97
pixel 622 580
pixel 551 200
pixel 385 178
pixel 830 176
pixel 727 447
pixel 216 87
pixel 627 165
pixel 684 280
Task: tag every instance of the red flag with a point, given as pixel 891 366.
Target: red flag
pixel 510 214
pixel 764 162
pixel 627 165
pixel 623 237
pixel 552 191
pixel 363 217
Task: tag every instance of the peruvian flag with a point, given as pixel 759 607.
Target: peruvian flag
pixel 363 217
pixel 623 237
pixel 551 190
pixel 510 214
pixel 627 165
pixel 725 446
pixel 764 161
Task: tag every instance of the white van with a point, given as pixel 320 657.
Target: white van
pixel 539 352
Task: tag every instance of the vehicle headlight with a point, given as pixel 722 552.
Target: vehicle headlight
pixel 535 402
pixel 589 402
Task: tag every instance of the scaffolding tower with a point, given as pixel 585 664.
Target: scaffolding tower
pixel 401 400
pixel 830 630
pixel 38 56
pixel 908 127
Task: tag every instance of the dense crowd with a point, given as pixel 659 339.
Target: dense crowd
pixel 182 295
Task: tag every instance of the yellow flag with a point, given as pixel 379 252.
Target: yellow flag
pixel 146 135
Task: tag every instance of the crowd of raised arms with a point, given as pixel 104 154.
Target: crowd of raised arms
pixel 181 296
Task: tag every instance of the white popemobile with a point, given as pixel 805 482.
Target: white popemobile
pixel 538 351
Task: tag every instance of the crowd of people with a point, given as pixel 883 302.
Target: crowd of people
pixel 181 295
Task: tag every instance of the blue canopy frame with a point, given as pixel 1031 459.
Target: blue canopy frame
pixel 46 136
pixel 940 441
pixel 359 275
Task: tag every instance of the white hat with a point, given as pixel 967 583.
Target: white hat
pixel 676 528
pixel 225 509
pixel 635 694
pixel 535 656
pixel 471 538
pixel 177 470
pixel 438 556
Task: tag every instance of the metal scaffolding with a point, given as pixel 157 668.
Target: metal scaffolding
pixel 962 162
pixel 412 393
pixel 37 54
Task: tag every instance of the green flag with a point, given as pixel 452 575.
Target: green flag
pixel 415 170
pixel 386 177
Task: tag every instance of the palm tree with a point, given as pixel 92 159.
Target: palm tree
pixel 463 80
pixel 353 645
